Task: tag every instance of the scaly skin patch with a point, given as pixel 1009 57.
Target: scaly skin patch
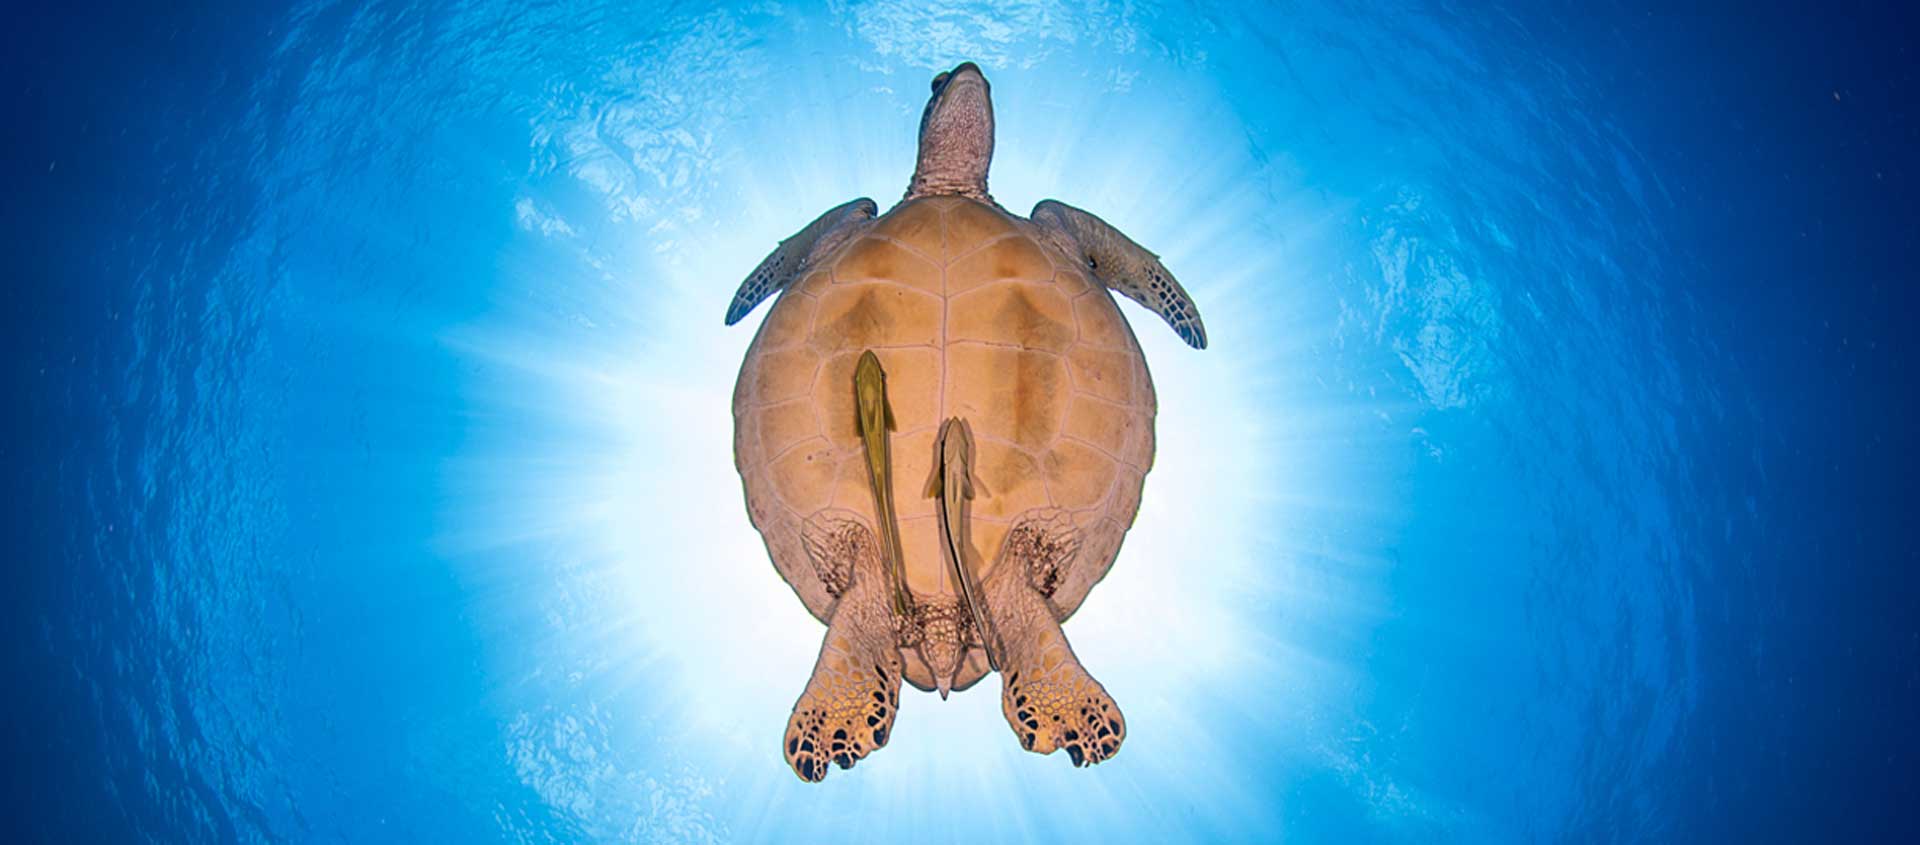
pixel 941 639
pixel 849 704
pixel 834 540
pixel 1047 696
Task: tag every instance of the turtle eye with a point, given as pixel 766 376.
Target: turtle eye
pixel 940 80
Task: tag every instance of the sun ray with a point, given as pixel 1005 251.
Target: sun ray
pixel 613 454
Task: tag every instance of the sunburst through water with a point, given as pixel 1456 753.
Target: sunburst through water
pixel 380 446
pixel 638 497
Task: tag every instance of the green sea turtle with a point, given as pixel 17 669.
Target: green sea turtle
pixel 943 427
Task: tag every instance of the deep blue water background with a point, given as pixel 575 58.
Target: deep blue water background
pixel 1562 380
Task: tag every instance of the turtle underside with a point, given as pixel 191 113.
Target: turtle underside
pixel 975 314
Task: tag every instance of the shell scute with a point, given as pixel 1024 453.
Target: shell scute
pixel 920 536
pixel 786 424
pixel 1103 373
pixel 913 456
pixel 783 374
pixel 970 224
pixel 1013 481
pixel 1007 392
pixel 788 325
pixel 882 260
pixel 1034 316
pixel 923 232
pixel 1014 257
pixel 1113 429
pixel 1077 475
pixel 860 317
pixel 1100 321
pixel 803 476
pixel 972 315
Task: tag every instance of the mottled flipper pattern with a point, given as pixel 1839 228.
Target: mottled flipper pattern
pixel 848 707
pixel 1048 697
pixel 797 254
pixel 1123 265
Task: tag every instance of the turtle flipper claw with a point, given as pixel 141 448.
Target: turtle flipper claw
pixel 845 714
pixel 1049 699
pixel 848 707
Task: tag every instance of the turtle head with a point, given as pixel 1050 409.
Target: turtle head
pixel 956 137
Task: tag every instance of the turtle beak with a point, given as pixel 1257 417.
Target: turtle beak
pixel 943 684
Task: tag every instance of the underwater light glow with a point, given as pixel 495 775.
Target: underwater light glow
pixel 379 477
pixel 666 586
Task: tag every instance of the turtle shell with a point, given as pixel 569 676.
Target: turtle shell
pixel 973 313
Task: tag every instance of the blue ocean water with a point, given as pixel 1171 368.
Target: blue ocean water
pixel 1547 477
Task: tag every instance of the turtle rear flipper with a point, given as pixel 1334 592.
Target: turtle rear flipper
pixel 1047 696
pixel 849 704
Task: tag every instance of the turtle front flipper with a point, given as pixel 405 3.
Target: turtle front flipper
pixel 1119 263
pixel 1048 697
pixel 798 253
pixel 848 707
